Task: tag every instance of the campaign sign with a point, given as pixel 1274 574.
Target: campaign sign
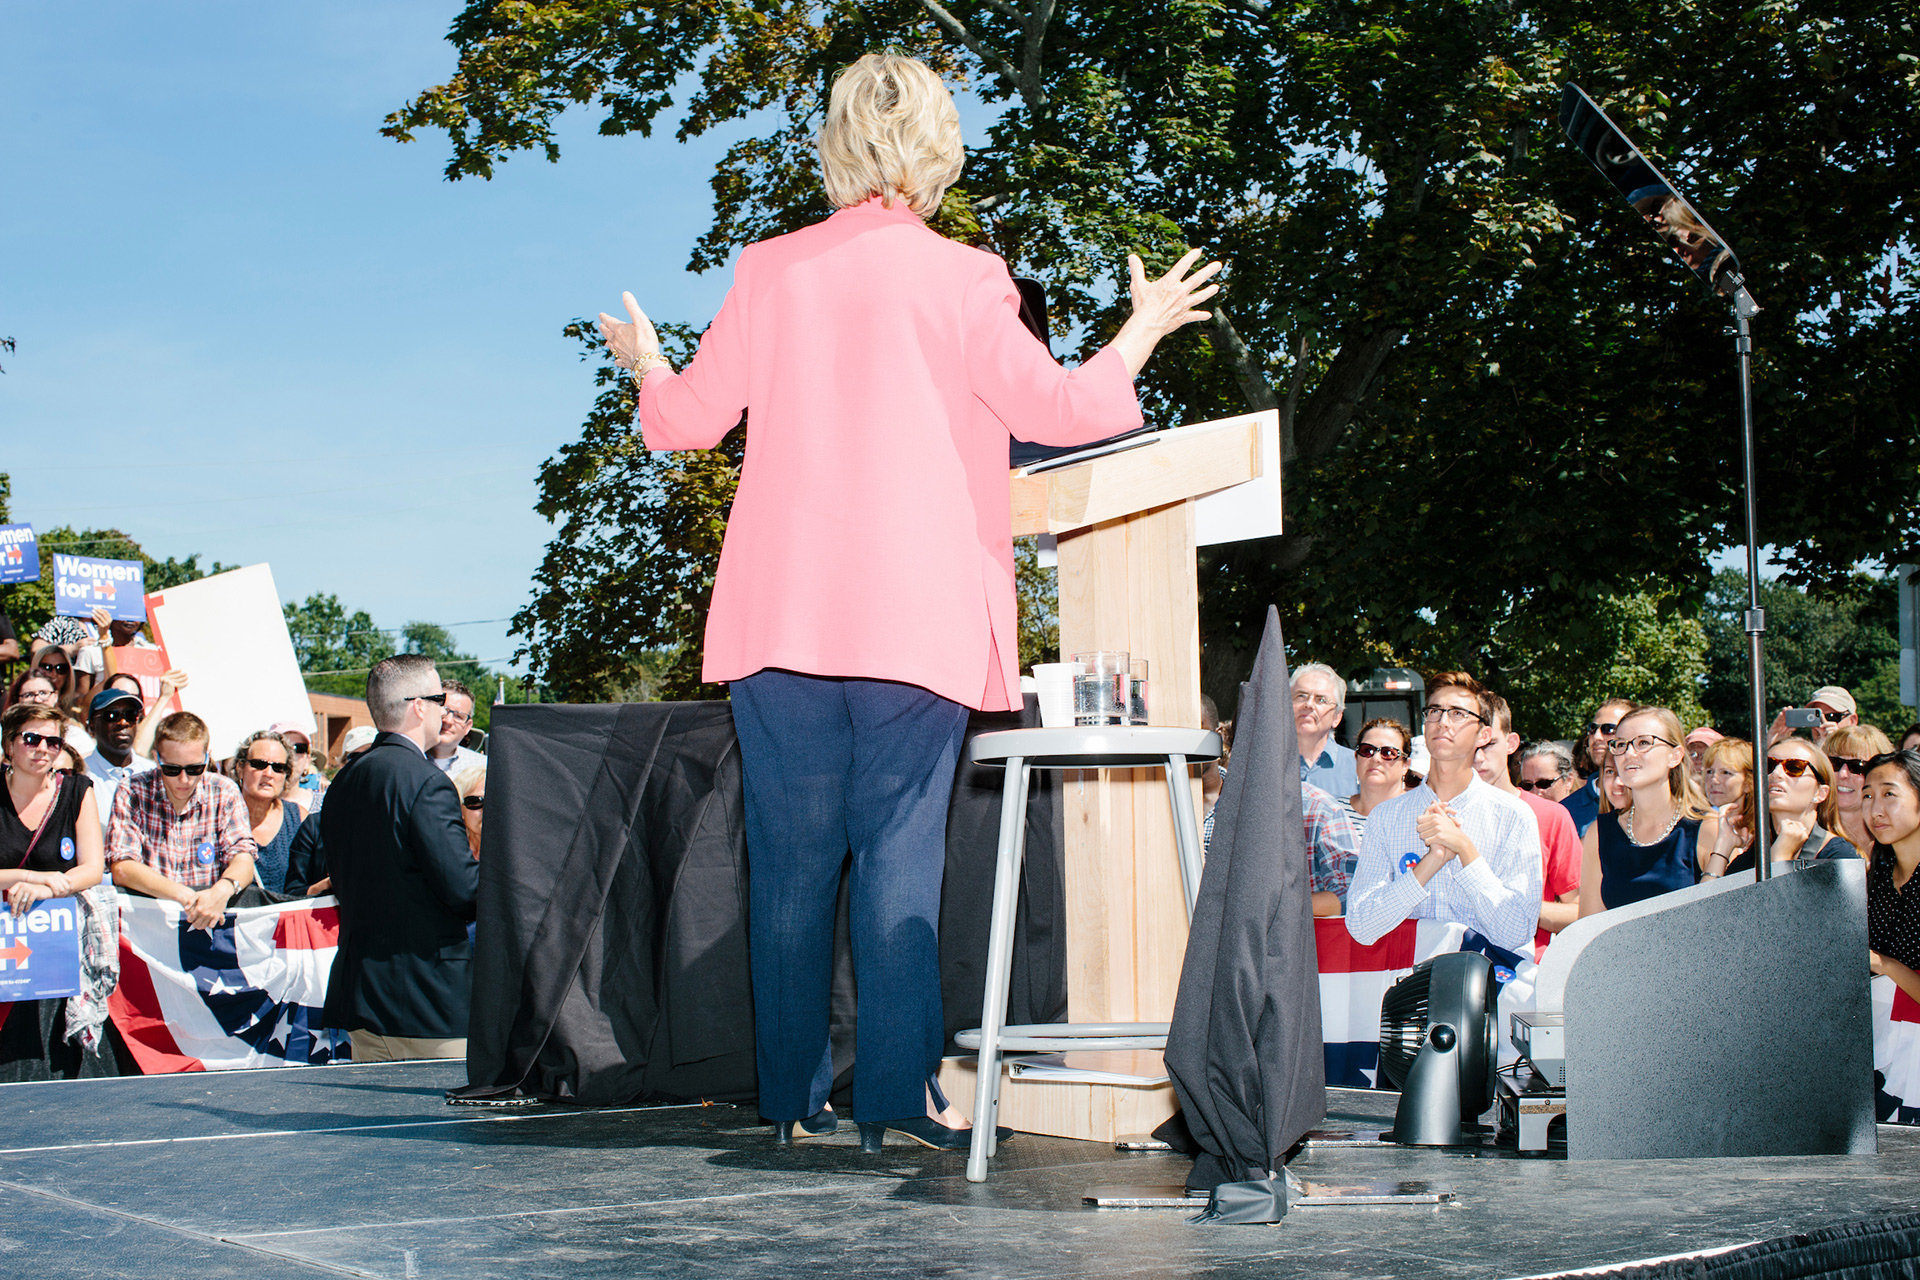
pixel 40 951
pixel 19 554
pixel 80 583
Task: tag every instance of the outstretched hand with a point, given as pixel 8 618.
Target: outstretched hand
pixel 1170 302
pixel 633 341
pixel 1163 305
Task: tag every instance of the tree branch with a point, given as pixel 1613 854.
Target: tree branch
pixel 1254 384
pixel 958 30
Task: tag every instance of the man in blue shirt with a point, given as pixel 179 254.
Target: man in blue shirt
pixel 1588 754
pixel 1319 703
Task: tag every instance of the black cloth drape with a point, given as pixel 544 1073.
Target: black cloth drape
pixel 610 963
pixel 611 956
pixel 1244 1047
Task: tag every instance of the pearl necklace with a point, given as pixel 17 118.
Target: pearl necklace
pixel 1626 821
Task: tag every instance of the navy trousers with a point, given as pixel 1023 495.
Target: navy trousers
pixel 832 768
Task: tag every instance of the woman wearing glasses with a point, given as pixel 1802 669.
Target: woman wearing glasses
pixel 470 783
pixel 1849 748
pixel 1802 808
pixel 33 686
pixel 50 847
pixel 1650 846
pixel 1381 759
pixel 263 766
pixel 70 686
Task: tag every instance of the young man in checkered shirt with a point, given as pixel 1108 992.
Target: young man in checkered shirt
pixel 179 831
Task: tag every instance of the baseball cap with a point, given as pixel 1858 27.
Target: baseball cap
pixel 288 729
pixel 1705 736
pixel 1837 698
pixel 358 738
pixel 107 697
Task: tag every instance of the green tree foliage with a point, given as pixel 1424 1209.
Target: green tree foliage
pixel 1501 405
pixel 620 598
pixel 30 604
pixel 1846 635
pixel 336 649
pixel 1648 652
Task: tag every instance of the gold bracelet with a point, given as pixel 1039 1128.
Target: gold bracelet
pixel 644 362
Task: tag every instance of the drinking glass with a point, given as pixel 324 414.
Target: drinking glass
pixel 1100 693
pixel 1137 692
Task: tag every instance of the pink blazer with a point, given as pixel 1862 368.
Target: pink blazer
pixel 882 367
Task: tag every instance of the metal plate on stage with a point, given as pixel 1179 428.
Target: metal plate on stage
pixel 1311 1195
pixel 1140 1142
pixel 1347 1138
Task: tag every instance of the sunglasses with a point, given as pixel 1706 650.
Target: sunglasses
pixel 476 803
pixel 62 669
pixel 120 717
pixel 1795 768
pixel 1367 751
pixel 191 770
pixel 1539 784
pixel 439 698
pixel 263 765
pixel 33 739
pixel 302 748
pixel 1847 764
pixel 1605 730
pixel 1835 717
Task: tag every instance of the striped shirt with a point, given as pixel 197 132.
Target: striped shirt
pixel 1498 894
pixel 191 848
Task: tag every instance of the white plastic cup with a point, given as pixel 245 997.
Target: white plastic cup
pixel 1053 684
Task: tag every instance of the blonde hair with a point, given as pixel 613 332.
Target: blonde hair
pixel 1856 741
pixel 1686 793
pixel 891 130
pixel 465 780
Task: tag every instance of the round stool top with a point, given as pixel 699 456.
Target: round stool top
pixel 1115 747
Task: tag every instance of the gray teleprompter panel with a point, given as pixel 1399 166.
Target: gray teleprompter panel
pixel 1725 1020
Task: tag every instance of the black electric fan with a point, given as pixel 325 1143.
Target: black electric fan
pixel 1439 1045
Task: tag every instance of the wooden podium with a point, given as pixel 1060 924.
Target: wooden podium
pixel 1128 580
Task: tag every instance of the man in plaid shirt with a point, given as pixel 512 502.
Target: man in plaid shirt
pixel 1333 842
pixel 1333 846
pixel 180 831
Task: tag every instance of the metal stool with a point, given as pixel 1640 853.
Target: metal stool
pixel 1020 751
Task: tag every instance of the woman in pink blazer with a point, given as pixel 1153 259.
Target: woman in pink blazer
pixel 865 595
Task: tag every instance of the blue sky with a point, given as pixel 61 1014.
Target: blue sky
pixel 252 327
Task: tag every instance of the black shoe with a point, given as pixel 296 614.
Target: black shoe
pixel 923 1130
pixel 817 1125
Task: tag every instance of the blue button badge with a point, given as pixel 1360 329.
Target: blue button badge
pixel 66 848
pixel 204 854
pixel 1408 861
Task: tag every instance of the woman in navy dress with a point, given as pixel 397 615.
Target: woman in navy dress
pixel 1651 846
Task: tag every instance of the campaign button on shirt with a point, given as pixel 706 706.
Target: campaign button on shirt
pixel 1408 861
pixel 204 854
pixel 66 848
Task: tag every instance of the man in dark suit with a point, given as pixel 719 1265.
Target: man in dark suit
pixel 397 855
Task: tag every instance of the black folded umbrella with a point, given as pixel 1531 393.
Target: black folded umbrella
pixel 1244 1048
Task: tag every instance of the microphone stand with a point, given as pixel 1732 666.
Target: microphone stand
pixel 1744 309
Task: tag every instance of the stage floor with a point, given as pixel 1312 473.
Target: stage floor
pixel 364 1171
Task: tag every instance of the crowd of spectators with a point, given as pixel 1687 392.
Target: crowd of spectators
pixel 1466 824
pixel 1460 821
pixel 106 789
